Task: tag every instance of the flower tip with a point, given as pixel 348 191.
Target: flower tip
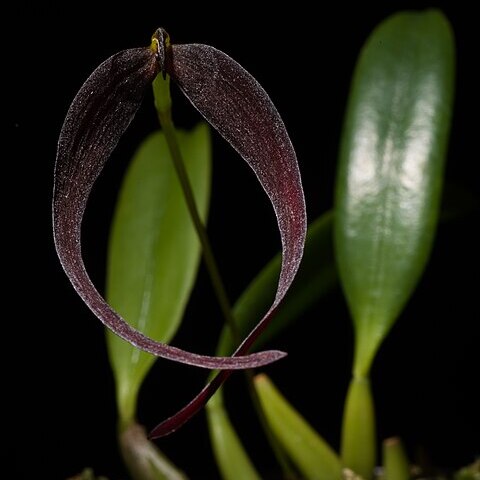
pixel 173 423
pixel 261 358
pixel 160 44
pixel 163 429
pixel 277 354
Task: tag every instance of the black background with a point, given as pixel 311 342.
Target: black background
pixel 61 410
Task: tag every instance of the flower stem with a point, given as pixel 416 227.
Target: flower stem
pixel 358 444
pixel 395 460
pixel 161 90
pixel 166 122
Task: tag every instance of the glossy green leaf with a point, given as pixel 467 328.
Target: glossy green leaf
pixel 309 452
pixel 316 277
pixel 388 192
pixel 391 166
pixel 395 461
pixel 154 253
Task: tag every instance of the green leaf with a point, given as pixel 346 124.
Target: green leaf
pixel 154 253
pixel 388 192
pixel 391 166
pixel 395 461
pixel 316 277
pixel 231 457
pixel 310 453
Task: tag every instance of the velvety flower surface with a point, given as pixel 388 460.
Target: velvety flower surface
pixel 234 103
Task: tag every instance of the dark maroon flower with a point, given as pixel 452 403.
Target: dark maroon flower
pixel 239 109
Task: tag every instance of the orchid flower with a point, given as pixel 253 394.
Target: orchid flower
pixel 234 103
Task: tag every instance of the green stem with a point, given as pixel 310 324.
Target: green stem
pixel 210 262
pixel 395 460
pixel 161 90
pixel 358 445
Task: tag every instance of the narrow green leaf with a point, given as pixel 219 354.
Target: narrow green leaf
pixel 309 452
pixel 153 253
pixel 358 446
pixel 395 461
pixel 316 277
pixel 231 457
pixel 391 166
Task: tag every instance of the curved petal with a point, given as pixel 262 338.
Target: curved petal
pixel 235 104
pixel 97 118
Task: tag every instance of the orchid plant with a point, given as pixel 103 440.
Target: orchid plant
pixel 375 242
